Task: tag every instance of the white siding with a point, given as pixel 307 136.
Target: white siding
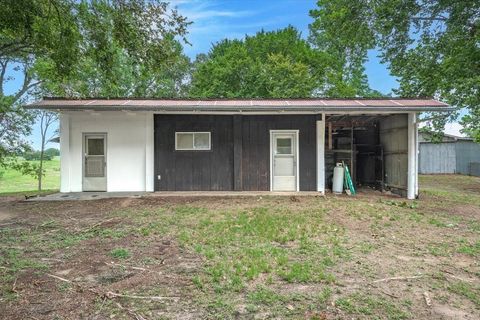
pixel 129 149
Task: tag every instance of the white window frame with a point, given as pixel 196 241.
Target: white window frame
pixel 193 142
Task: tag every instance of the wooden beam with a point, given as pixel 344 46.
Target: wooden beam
pixel 352 169
pixel 330 142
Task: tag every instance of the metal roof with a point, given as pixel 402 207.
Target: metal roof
pixel 446 135
pixel 249 105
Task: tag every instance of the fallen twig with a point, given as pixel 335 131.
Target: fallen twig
pixel 112 295
pixel 124 266
pixel 452 275
pixel 6 224
pixel 59 278
pixel 397 278
pixel 459 278
pixel 428 301
pixel 51 259
pixel 14 286
pixel 131 312
pixel 99 310
pixel 389 294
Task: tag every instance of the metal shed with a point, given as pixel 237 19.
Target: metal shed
pixel 453 154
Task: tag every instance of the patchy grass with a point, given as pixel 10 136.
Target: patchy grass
pixel 466 290
pixel 368 257
pixel 371 306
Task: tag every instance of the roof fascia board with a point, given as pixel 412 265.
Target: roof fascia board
pixel 254 109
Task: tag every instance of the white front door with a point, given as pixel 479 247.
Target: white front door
pixel 94 162
pixel 284 160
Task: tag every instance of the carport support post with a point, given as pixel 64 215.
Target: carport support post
pixel 412 156
pixel 321 154
pixel 149 153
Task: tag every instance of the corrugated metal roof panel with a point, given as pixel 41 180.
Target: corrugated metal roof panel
pixel 238 104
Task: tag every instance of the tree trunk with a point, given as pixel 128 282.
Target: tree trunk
pixel 40 169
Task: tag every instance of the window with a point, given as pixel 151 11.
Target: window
pixel 95 146
pixel 192 141
pixel 284 146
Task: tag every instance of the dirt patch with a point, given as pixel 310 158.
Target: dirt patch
pixel 448 312
pixel 4 215
pixel 466 210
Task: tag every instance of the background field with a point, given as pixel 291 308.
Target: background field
pixel 13 181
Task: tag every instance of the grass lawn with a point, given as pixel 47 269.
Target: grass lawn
pixel 372 256
pixel 12 181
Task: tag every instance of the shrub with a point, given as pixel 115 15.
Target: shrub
pixel 52 152
pixel 35 155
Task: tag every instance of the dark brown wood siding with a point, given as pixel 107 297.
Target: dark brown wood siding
pixel 240 155
pixel 256 149
pixel 193 170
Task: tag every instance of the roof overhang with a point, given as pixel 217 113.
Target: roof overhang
pixel 248 106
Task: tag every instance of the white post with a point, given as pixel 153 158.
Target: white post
pixel 321 155
pixel 417 152
pixel 65 153
pixel 149 185
pixel 412 155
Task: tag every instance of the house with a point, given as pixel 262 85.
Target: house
pixel 237 145
pixel 453 154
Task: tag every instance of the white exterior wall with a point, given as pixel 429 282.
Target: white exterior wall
pixel 129 149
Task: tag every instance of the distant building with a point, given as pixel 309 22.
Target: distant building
pixel 452 155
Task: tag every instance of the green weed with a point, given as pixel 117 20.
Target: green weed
pixel 120 253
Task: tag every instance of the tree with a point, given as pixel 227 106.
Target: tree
pixel 79 48
pixel 52 152
pixel 29 30
pixel 128 48
pixel 278 64
pixel 431 46
pixel 332 32
pixel 46 119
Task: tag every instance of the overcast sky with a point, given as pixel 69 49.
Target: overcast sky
pixel 214 20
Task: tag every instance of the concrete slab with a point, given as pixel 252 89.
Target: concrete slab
pixel 87 196
pixel 232 194
pixel 81 196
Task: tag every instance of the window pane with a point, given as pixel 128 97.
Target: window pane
pixel 284 146
pixel 184 141
pixel 202 141
pixel 95 146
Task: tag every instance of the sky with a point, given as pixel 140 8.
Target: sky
pixel 214 20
